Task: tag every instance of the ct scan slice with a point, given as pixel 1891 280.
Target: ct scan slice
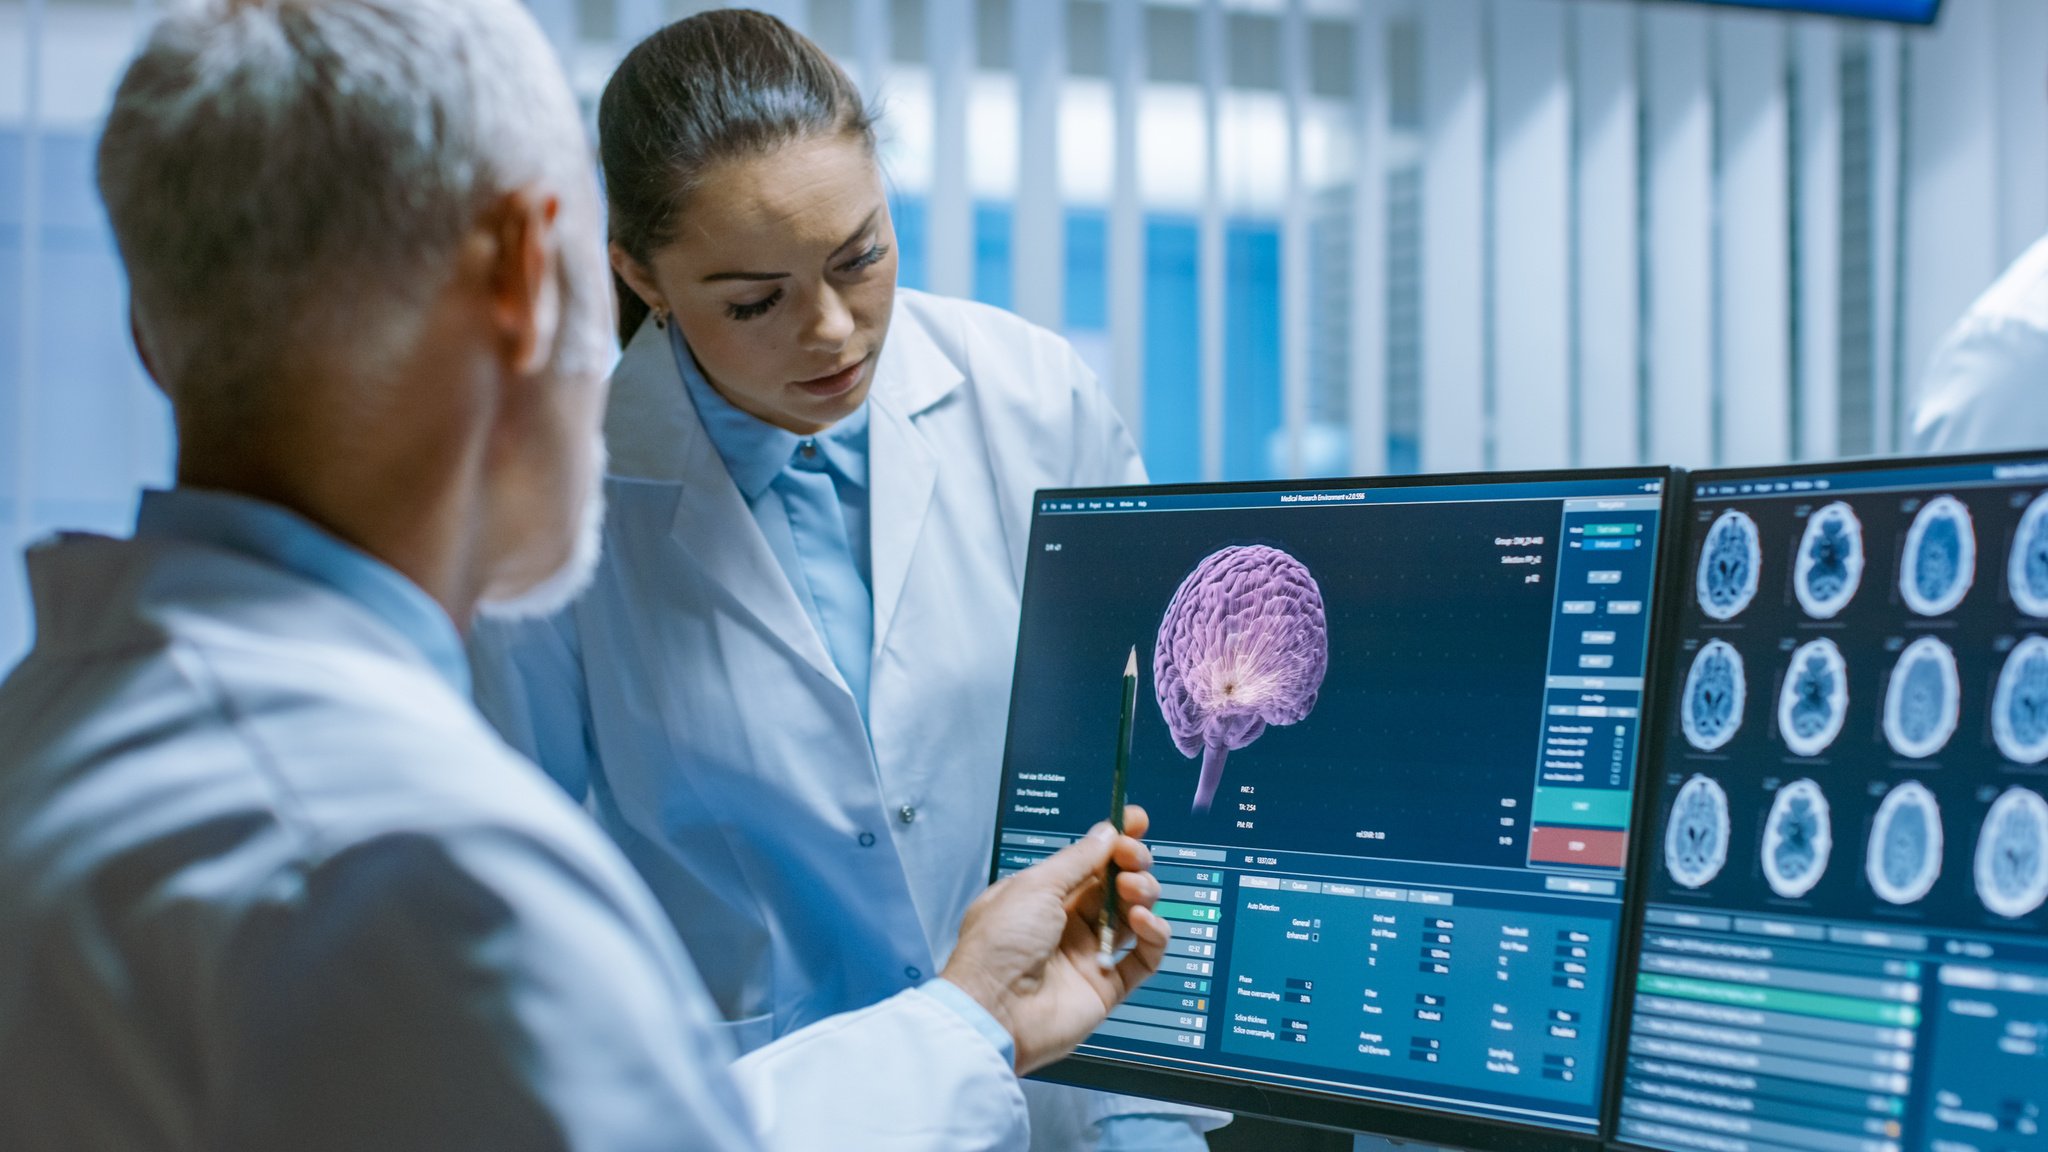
pixel 1905 844
pixel 1940 559
pixel 1924 700
pixel 2011 868
pixel 2019 707
pixel 2026 573
pixel 1830 563
pixel 1815 698
pixel 1711 711
pixel 1696 837
pixel 1798 837
pixel 1730 563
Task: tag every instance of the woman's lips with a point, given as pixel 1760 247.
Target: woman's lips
pixel 837 384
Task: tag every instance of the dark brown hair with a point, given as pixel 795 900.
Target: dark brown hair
pixel 719 85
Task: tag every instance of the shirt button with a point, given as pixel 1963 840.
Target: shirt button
pixel 913 973
pixel 867 839
pixel 906 814
pixel 809 448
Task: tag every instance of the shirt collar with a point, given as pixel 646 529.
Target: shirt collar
pixel 755 451
pixel 277 536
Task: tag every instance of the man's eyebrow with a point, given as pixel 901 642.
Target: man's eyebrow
pixel 759 276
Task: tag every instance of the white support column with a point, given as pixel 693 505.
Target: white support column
pixel 1951 180
pixel 1038 237
pixel 1454 417
pixel 2022 125
pixel 28 365
pixel 1211 254
pixel 1532 259
pixel 1818 60
pixel 1368 399
pixel 949 213
pixel 1294 270
pixel 1678 263
pixel 1754 256
pixel 1887 126
pixel 1609 313
pixel 1126 272
pixel 871 45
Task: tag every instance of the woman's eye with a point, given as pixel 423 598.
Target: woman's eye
pixel 757 308
pixel 867 259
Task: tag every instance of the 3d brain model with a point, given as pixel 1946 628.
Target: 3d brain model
pixel 1244 644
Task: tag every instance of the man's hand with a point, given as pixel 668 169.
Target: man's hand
pixel 1027 949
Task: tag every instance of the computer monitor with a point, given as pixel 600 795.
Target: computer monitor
pixel 1844 945
pixel 1387 734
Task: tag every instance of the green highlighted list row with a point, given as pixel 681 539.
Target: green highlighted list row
pixel 1782 1000
pixel 1583 807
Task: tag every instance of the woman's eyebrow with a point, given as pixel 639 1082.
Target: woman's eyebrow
pixel 843 246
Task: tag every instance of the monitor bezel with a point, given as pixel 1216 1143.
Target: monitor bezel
pixel 1331 1110
pixel 1811 10
pixel 1677 560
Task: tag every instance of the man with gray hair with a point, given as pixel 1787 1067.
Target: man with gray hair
pixel 267 880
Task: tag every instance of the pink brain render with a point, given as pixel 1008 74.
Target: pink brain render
pixel 1243 645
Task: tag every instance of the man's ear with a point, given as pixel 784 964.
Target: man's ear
pixel 637 277
pixel 521 278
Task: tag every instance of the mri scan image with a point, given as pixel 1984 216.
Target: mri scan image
pixel 2012 854
pixel 1730 562
pixel 1830 563
pixel 1696 838
pixel 1797 839
pixel 1941 557
pixel 1814 699
pixel 2027 572
pixel 1924 700
pixel 2019 706
pixel 1711 711
pixel 1905 844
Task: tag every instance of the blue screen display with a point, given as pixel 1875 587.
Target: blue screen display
pixel 1387 737
pixel 1844 941
pixel 1899 11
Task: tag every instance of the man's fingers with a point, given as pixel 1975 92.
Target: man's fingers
pixel 1071 867
pixel 1150 935
pixel 1136 821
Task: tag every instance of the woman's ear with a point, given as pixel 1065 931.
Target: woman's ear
pixel 638 278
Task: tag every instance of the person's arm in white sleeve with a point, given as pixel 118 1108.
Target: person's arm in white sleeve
pixel 529 684
pixel 1986 389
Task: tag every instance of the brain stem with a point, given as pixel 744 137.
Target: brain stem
pixel 1213 756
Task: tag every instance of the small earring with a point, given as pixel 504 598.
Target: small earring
pixel 661 319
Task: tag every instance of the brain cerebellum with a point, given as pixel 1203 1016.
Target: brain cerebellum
pixel 1730 565
pixel 1923 701
pixel 1715 692
pixel 1940 558
pixel 1814 699
pixel 1830 564
pixel 1696 834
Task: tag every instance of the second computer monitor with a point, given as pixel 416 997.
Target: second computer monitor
pixel 1387 733
pixel 1845 946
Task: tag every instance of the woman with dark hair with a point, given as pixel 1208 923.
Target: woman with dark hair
pixel 796 733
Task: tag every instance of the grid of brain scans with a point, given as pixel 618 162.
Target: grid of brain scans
pixel 1844 944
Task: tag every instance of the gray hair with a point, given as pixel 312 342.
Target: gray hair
pixel 289 178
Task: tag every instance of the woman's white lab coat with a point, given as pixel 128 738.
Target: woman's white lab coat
pixel 806 869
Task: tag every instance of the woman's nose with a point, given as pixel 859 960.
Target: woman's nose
pixel 831 323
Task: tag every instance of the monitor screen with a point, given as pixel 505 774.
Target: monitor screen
pixel 1387 735
pixel 1843 944
pixel 1896 11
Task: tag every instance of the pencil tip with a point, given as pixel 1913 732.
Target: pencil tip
pixel 1131 665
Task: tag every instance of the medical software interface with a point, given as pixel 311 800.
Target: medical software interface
pixel 1387 737
pixel 1844 945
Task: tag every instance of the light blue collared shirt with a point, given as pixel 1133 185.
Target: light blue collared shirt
pixel 268 532
pixel 756 454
